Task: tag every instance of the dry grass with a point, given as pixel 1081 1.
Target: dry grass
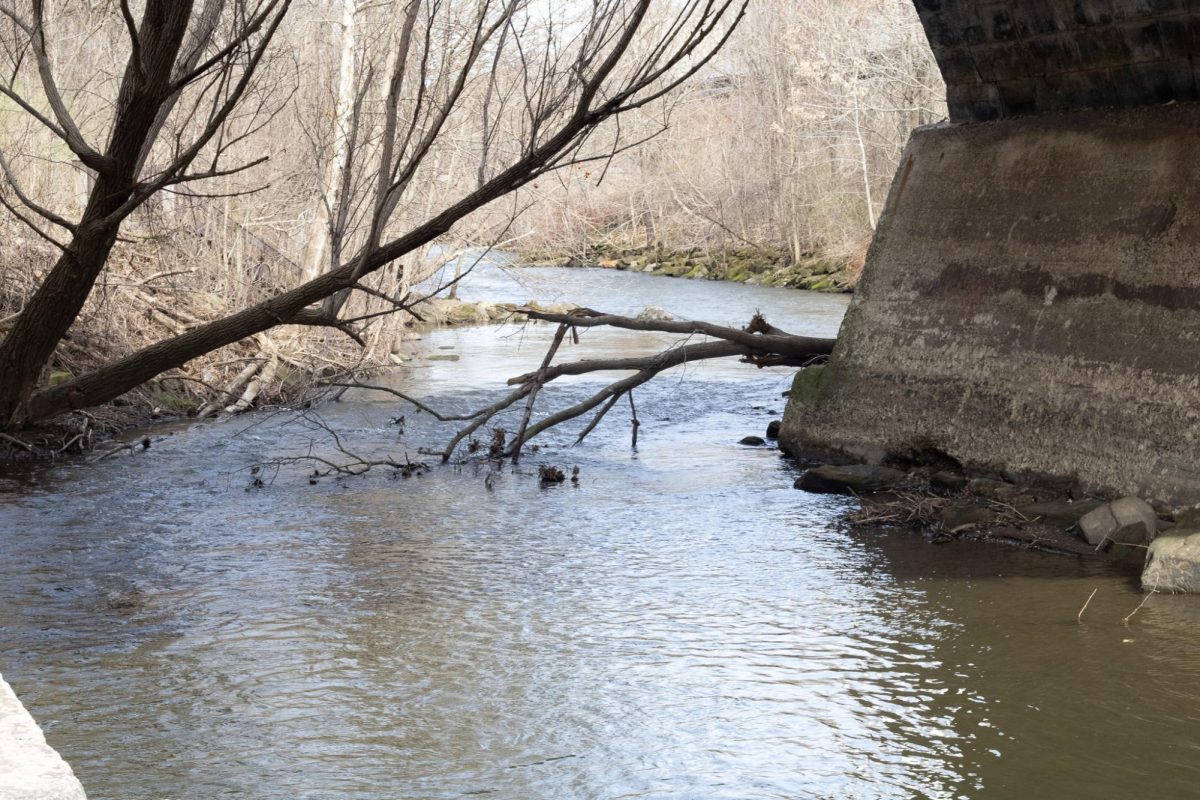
pixel 856 261
pixel 157 288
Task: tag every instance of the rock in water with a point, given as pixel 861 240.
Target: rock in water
pixel 854 479
pixel 1173 563
pixel 655 314
pixel 1129 520
pixel 773 429
pixel 753 441
pixel 549 475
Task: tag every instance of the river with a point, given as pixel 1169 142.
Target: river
pixel 680 624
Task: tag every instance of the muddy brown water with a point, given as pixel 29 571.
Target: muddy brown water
pixel 682 624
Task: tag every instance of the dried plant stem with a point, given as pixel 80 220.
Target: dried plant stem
pixel 1139 606
pixel 1079 616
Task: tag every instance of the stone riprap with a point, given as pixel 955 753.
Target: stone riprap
pixel 1173 563
pixel 1002 58
pixel 1129 520
pixel 29 768
pixel 1030 307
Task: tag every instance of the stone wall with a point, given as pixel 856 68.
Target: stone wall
pixel 1030 306
pixel 1005 58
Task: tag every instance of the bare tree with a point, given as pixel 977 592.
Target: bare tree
pixel 787 143
pixel 164 65
pixel 568 71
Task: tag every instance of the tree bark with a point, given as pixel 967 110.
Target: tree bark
pixel 48 315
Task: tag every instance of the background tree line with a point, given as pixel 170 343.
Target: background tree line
pixel 181 179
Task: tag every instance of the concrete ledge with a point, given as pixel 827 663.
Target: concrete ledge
pixel 29 768
pixel 1030 307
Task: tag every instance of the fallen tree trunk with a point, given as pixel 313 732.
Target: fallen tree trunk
pixel 759 343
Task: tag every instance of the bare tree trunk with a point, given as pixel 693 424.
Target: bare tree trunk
pixel 317 256
pixel 866 172
pixel 48 315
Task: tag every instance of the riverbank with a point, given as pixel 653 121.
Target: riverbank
pixel 931 494
pixel 750 265
pixel 291 382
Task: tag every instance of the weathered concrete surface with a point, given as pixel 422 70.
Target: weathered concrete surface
pixel 1030 306
pixel 29 768
pixel 1002 58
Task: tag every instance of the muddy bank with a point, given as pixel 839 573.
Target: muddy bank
pixel 763 267
pixel 930 494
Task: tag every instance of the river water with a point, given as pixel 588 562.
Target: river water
pixel 680 624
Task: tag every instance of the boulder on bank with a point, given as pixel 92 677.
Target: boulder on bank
pixel 1173 563
pixel 1129 520
pixel 853 479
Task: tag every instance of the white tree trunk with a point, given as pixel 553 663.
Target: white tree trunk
pixel 316 258
pixel 862 152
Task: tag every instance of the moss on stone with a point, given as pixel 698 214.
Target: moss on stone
pixel 751 265
pixel 806 387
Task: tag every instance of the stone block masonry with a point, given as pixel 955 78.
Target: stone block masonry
pixel 1003 58
pixel 1030 307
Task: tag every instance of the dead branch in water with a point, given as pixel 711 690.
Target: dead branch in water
pixel 759 343
pixel 1086 603
pixel 352 464
pixel 761 339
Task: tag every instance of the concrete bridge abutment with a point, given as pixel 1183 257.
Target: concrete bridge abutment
pixel 1031 301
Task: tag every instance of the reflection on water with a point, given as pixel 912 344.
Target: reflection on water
pixel 683 624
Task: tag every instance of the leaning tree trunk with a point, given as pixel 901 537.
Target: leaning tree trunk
pixel 45 319
pixel 145 88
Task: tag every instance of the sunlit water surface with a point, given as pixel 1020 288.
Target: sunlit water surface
pixel 681 624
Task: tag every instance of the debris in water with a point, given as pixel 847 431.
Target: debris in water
pixel 496 448
pixel 549 475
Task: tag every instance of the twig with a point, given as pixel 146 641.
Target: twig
pixel 778 342
pixel 485 415
pixel 427 409
pixel 1139 608
pixel 1079 616
pixel 538 382
pixel 596 419
pixel 114 451
pixel 28 448
pixel 634 423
